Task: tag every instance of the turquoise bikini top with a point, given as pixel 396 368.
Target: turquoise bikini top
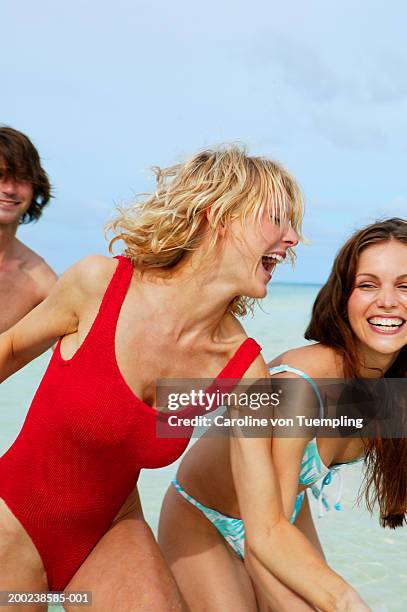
pixel 314 473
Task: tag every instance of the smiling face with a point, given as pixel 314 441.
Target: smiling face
pixel 377 307
pixel 15 198
pixel 255 248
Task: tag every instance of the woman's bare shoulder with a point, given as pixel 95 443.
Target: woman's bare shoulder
pixel 84 282
pixel 96 267
pixel 94 272
pixel 316 360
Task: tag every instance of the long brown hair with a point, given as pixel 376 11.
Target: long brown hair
pixel 385 458
pixel 20 161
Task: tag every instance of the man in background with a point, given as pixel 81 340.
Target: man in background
pixel 25 278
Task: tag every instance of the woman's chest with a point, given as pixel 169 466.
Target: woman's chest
pixel 146 361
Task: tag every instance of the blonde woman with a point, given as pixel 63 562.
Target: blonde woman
pixel 197 253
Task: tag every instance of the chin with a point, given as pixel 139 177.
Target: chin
pixel 379 351
pixel 257 293
pixel 7 218
pixel 387 350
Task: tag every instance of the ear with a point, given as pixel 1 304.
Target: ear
pixel 222 229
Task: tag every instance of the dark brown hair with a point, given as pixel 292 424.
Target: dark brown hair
pixel 385 458
pixel 20 161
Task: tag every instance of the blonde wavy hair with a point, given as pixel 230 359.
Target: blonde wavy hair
pixel 196 199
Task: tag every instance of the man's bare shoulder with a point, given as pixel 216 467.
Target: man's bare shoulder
pixel 43 275
pixel 32 264
pixel 316 360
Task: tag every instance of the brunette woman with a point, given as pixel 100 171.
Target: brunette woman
pixel 219 520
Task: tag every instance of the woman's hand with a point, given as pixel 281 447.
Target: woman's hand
pixel 351 602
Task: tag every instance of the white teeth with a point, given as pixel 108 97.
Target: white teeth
pixel 385 322
pixel 274 256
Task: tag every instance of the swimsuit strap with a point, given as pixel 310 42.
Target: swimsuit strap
pixel 102 331
pixel 286 368
pixel 241 360
pixel 229 377
pixel 113 300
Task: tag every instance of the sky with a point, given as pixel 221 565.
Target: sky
pixel 106 90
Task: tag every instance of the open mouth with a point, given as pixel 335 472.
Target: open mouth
pixel 270 260
pixel 386 324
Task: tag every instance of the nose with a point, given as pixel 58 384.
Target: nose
pixel 387 297
pixel 8 185
pixel 290 237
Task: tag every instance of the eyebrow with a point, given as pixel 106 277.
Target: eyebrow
pixel 375 276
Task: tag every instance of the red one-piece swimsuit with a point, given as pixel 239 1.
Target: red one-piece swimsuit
pixel 84 441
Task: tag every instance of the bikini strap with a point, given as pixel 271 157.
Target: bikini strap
pixel 286 368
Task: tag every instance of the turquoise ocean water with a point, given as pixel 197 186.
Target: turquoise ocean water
pixel 372 559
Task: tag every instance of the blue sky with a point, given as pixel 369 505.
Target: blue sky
pixel 106 90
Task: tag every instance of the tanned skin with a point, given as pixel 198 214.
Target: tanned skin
pixel 25 278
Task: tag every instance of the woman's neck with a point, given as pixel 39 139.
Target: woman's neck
pixel 190 303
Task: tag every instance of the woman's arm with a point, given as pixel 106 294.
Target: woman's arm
pixel 284 599
pixel 56 316
pixel 276 544
pixel 273 542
